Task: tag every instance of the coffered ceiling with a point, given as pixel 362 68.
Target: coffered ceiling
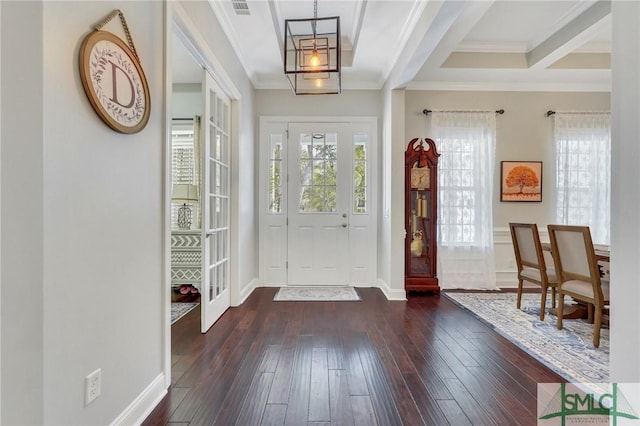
pixel 427 44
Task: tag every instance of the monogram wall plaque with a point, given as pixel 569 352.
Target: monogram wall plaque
pixel 113 79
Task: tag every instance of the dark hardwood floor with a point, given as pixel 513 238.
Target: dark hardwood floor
pixel 420 362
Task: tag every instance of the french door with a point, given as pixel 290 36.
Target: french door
pixel 215 298
pixel 318 204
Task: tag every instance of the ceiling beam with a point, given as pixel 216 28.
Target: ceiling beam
pixel 441 28
pixel 580 30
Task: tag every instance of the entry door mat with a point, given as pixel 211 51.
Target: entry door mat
pixel 180 309
pixel 316 294
pixel 569 352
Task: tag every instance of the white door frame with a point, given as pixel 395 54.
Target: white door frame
pixel 178 21
pixel 273 226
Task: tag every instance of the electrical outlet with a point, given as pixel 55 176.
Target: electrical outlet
pixel 92 387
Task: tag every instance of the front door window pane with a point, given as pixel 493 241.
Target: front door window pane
pixel 318 172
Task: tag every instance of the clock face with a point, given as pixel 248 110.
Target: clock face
pixel 114 82
pixel 420 178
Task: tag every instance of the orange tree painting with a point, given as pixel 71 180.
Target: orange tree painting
pixel 521 181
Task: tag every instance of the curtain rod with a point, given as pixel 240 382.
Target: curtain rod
pixel 428 111
pixel 551 112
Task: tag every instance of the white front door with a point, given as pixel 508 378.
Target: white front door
pixel 215 296
pixel 318 204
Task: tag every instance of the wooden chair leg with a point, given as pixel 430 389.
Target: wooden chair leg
pixel 543 302
pixel 560 309
pixel 596 326
pixel 553 295
pixel 590 313
pixel 519 299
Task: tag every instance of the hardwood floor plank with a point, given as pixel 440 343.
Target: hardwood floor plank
pixel 486 398
pixel 270 359
pixel 422 365
pixel 341 412
pixel 274 415
pixel 256 400
pixel 335 353
pixel 457 349
pixel 498 349
pixel 453 412
pixel 515 407
pixel 377 382
pixel 471 408
pixel 237 394
pixel 319 406
pixel 281 385
pixel 298 405
pixel 363 413
pixel 421 361
pixel 427 406
pixel 282 380
pixel 402 396
pixel 219 351
pixel 353 366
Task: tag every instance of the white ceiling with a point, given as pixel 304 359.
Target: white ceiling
pixel 427 44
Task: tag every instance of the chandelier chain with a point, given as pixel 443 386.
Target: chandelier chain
pixel 315 17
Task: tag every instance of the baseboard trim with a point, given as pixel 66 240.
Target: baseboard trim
pixel 247 290
pixel 391 294
pixel 144 404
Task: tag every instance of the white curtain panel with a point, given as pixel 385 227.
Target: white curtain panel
pixel 466 143
pixel 583 171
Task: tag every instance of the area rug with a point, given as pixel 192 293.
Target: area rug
pixel 569 352
pixel 180 309
pixel 316 294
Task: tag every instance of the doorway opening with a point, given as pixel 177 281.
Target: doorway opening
pixel 318 201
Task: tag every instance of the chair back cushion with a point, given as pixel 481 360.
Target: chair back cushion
pixel 527 246
pixel 572 252
pixel 576 262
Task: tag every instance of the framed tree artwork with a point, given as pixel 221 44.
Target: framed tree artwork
pixel 521 181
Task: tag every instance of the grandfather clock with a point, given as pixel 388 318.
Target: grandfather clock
pixel 420 212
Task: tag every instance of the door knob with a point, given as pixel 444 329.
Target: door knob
pixel 344 225
pixel 344 215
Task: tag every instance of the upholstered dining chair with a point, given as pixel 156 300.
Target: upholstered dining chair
pixel 578 273
pixel 531 264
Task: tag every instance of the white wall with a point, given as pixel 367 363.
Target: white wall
pixel 103 224
pixel 22 244
pixel 186 100
pixel 82 276
pixel 354 103
pixel 86 224
pixel 625 193
pixel 0 214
